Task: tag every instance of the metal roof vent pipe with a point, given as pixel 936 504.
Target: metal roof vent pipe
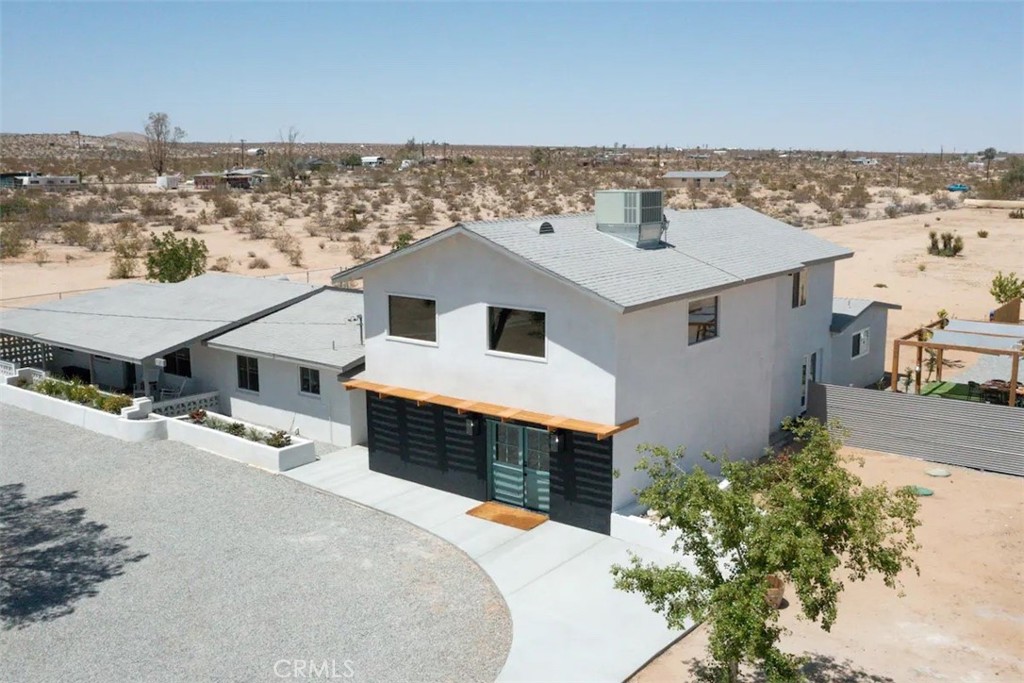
pixel 633 216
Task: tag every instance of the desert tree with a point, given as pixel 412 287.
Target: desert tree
pixel 802 519
pixel 288 165
pixel 988 154
pixel 1006 287
pixel 161 139
pixel 174 260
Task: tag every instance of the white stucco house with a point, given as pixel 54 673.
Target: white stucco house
pixel 525 360
pixel 858 328
pixel 284 370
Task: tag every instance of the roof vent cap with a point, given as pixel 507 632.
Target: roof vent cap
pixel 545 228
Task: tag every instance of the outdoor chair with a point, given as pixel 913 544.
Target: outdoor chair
pixel 167 393
pixel 974 392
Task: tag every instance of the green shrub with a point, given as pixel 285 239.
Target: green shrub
pixel 1017 213
pixel 1006 287
pixel 983 234
pixel 279 439
pixel 947 244
pixel 114 404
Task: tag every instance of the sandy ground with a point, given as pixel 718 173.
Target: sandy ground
pixel 891 252
pixel 962 619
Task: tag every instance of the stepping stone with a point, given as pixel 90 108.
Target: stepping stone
pixel 937 472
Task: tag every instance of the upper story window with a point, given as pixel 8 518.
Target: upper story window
pixel 179 363
pixel 248 373
pixel 861 343
pixel 703 322
pixel 800 288
pixel 412 318
pixel 309 381
pixel 512 330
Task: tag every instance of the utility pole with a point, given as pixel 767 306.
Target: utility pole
pixel 899 164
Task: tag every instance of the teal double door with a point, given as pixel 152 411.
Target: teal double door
pixel 519 465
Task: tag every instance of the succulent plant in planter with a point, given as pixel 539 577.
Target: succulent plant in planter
pixel 198 416
pixel 279 439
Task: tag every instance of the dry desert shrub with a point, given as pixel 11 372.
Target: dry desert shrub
pixel 259 263
pixel 221 265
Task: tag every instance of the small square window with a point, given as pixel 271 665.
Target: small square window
pixel 703 321
pixel 512 330
pixel 309 381
pixel 412 318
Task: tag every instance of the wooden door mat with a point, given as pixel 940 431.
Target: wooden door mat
pixel 508 515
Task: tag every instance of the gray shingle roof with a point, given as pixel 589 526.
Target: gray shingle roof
pixel 846 310
pixel 705 250
pixel 137 321
pixel 688 175
pixel 313 331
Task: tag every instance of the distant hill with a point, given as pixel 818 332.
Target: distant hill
pixel 134 138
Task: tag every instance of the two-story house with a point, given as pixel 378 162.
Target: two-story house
pixel 526 360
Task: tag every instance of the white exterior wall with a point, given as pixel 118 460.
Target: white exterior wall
pixel 335 416
pixel 800 331
pixel 869 368
pixel 577 379
pixel 711 396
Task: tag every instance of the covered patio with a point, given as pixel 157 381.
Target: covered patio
pixel 138 338
pixel 995 380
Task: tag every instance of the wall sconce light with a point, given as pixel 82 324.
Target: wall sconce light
pixel 472 425
pixel 556 441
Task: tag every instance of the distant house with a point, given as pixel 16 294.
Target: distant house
pixel 48 181
pixel 698 178
pixel 864 161
pixel 256 152
pixel 207 181
pixel 168 182
pixel 373 161
pixel 245 178
pixel 11 180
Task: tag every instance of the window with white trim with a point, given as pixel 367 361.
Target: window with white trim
pixel 412 318
pixel 517 331
pixel 861 343
pixel 179 362
pixel 703 320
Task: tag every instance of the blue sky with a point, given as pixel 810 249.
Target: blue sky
pixel 904 76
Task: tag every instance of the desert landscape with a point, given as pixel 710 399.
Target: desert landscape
pixel 959 620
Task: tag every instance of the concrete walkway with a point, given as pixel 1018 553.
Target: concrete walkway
pixel 568 622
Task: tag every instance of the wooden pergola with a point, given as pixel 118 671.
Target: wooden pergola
pixel 920 339
pixel 503 413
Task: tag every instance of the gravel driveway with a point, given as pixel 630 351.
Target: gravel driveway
pixel 159 562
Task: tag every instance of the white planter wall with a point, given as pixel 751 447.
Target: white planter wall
pixel 300 452
pixel 148 429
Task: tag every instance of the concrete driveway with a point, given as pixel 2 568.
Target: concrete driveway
pixel 569 623
pixel 158 562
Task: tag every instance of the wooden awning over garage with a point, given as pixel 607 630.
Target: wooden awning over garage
pixel 552 422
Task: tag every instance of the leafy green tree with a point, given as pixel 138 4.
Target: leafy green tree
pixel 174 260
pixel 403 240
pixel 1006 287
pixel 802 518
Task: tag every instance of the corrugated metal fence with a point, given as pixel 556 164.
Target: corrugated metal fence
pixel 980 435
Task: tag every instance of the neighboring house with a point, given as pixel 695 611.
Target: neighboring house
pixel 525 360
pixel 49 181
pixel 140 337
pixel 864 161
pixel 858 341
pixel 245 178
pixel 168 182
pixel 9 181
pixel 207 181
pixel 373 161
pixel 698 178
pixel 283 370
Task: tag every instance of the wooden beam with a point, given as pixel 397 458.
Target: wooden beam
pixel 1014 376
pixel 917 369
pixel 961 347
pixel 894 378
pixel 938 364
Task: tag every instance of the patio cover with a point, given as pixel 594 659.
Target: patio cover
pixel 993 329
pixel 979 341
pixel 141 321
